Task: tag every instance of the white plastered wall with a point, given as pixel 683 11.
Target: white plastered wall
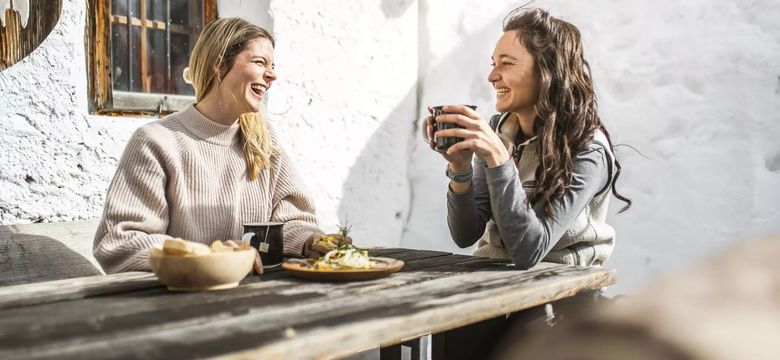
pixel 694 86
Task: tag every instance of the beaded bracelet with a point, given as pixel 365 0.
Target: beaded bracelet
pixel 460 177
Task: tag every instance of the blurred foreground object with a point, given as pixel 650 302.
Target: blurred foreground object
pixel 726 308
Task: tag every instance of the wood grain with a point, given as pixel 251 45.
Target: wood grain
pixel 17 40
pixel 99 54
pixel 270 315
pixel 76 288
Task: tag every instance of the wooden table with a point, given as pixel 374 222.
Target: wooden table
pixel 274 316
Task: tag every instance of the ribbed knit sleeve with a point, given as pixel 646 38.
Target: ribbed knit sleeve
pixel 292 205
pixel 135 216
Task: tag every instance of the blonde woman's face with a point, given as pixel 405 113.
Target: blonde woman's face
pixel 250 77
pixel 513 76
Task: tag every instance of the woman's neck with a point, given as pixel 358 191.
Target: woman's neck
pixel 526 121
pixel 216 111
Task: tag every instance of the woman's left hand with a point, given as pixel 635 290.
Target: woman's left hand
pixel 477 135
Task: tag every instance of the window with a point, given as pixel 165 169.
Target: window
pixel 138 50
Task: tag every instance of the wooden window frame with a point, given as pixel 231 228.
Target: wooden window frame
pixel 103 99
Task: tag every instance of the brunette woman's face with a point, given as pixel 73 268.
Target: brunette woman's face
pixel 246 83
pixel 514 75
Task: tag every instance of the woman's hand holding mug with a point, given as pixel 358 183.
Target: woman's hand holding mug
pixel 478 138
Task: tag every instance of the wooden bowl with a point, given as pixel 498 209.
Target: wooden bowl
pixel 214 271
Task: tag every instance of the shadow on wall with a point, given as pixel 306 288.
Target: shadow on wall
pixel 375 195
pixel 452 78
pixel 33 258
pixel 394 8
pixel 395 199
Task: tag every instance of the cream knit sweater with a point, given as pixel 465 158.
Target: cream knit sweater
pixel 185 176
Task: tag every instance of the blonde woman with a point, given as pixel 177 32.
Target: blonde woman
pixel 200 173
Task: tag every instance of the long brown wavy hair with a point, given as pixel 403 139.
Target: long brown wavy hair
pixel 567 115
pixel 212 57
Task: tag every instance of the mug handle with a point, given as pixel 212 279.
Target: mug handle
pixel 428 138
pixel 247 237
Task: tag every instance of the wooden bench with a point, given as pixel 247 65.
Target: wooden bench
pixel 48 251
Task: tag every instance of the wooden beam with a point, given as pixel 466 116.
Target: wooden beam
pixel 209 11
pixel 99 54
pixel 146 84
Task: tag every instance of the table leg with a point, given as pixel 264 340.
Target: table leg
pixel 475 341
pixel 414 346
pixel 392 352
pixel 395 352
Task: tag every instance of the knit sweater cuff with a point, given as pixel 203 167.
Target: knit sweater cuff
pixel 295 238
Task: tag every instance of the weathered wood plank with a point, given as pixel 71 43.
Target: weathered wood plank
pixel 387 322
pixel 114 312
pixel 385 251
pixel 99 70
pixel 157 304
pixel 375 313
pixel 409 255
pixel 77 288
pixel 18 39
pixel 261 288
pixel 436 262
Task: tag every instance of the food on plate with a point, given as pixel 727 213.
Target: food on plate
pixel 329 242
pixel 346 257
pixel 339 254
pixel 181 247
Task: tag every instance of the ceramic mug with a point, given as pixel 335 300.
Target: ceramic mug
pixel 443 143
pixel 266 237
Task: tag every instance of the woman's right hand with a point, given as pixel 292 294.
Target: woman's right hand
pixel 459 160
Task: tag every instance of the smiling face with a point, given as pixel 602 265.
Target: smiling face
pixel 514 75
pixel 243 87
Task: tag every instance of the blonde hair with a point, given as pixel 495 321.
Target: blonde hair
pixel 212 57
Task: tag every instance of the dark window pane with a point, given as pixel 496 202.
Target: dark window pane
pixel 187 13
pixel 156 61
pixel 180 55
pixel 180 11
pixel 155 10
pixel 119 7
pixel 166 51
pixel 119 57
pixel 135 8
pixel 196 17
pixel 135 54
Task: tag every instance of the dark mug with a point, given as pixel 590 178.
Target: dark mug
pixel 266 237
pixel 443 143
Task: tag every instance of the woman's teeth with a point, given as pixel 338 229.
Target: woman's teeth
pixel 502 91
pixel 258 89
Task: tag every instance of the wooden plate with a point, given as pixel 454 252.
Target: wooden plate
pixel 302 269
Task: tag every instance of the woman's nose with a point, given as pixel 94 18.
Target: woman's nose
pixel 493 76
pixel 270 75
